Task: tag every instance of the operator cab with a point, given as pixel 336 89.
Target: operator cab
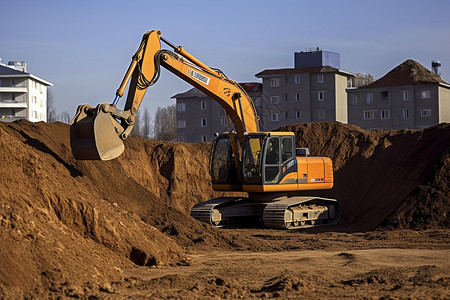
pixel 267 160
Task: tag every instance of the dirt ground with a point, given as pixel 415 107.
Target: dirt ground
pixel 121 229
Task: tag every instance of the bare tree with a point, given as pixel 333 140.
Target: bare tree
pixel 51 110
pixel 137 125
pixel 165 123
pixel 64 117
pixel 146 125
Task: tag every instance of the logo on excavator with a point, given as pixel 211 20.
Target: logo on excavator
pixel 227 91
pixel 200 77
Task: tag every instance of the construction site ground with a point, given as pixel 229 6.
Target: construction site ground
pixel 121 229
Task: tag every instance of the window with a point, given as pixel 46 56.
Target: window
pixel 272 169
pixel 204 139
pixel 274 82
pixel 203 105
pixel 355 99
pixel 384 95
pixel 274 99
pixel 405 114
pixel 181 106
pixel 275 117
pixel 273 151
pixel 203 122
pixel 181 139
pixel 181 123
pixel 297 97
pixel 385 114
pixel 286 149
pixel 320 78
pixel 298 115
pixel 369 114
pixel 297 79
pixel 223 120
pixel 321 114
pixel 369 98
pixel 405 95
pixel 321 96
pixel 349 83
pixel 424 113
pixel 426 94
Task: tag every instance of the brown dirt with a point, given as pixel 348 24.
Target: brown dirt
pixel 89 229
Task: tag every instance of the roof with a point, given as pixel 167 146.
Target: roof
pixel 323 69
pixel 249 87
pixel 409 72
pixel 5 70
pixel 192 93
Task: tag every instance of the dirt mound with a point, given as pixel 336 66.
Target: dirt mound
pixel 55 213
pixel 398 178
pixel 70 227
pixel 63 219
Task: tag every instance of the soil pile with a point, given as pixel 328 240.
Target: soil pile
pixel 71 227
pixel 392 178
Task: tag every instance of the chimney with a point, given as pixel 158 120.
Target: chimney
pixel 436 67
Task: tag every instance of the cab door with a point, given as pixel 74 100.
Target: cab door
pixel 272 158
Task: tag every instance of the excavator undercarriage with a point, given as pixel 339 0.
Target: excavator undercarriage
pixel 284 212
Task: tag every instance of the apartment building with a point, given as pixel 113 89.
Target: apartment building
pixel 409 96
pixel 199 117
pixel 22 95
pixel 313 91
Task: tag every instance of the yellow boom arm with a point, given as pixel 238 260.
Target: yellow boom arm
pixel 89 124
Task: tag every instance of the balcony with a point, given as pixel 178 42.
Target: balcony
pixel 13 89
pixel 13 104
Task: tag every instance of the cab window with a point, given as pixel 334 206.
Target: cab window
pixel 287 148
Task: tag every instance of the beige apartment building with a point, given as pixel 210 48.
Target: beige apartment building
pixel 409 96
pixel 22 95
pixel 199 117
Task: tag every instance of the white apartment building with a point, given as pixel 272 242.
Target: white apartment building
pixel 22 95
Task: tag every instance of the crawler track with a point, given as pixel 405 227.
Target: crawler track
pixel 288 213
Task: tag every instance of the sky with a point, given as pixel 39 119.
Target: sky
pixel 85 47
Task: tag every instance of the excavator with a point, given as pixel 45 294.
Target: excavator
pixel 265 165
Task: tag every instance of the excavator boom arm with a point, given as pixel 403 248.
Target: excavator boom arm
pixel 144 71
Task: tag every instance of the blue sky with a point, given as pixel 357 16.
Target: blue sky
pixel 85 47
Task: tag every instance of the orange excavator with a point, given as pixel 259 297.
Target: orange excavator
pixel 266 165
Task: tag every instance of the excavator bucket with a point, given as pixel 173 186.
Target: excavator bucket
pixel 95 134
